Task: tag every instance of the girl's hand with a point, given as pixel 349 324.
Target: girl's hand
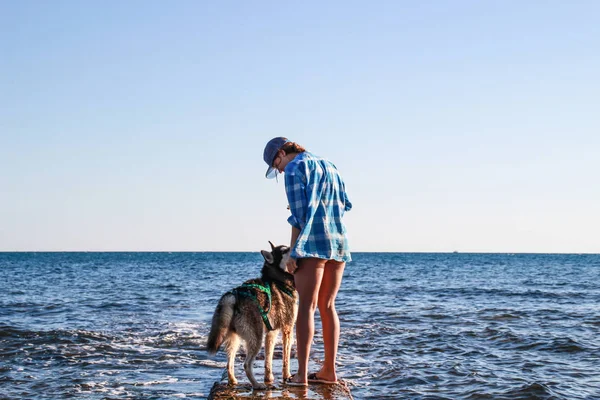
pixel 291 265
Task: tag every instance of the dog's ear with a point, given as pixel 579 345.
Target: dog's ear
pixel 267 256
pixel 272 246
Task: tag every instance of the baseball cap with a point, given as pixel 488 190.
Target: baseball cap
pixel 271 149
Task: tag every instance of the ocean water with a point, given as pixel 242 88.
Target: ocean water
pixel 414 326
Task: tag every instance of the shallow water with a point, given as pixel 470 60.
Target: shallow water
pixel 415 326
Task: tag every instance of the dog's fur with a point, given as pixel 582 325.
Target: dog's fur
pixel 238 317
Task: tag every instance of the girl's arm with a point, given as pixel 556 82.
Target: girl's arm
pixel 291 264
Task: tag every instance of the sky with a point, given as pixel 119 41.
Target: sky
pixel 469 126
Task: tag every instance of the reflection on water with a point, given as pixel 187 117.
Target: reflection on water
pixel 222 391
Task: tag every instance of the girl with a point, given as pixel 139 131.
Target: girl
pixel 317 201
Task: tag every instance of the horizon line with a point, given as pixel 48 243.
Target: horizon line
pixel 257 251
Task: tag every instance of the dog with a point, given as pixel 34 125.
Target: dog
pixel 248 313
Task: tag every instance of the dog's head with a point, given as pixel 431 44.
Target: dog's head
pixel 277 257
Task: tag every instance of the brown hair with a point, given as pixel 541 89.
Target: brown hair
pixel 292 147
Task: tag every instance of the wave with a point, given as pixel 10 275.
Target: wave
pixel 511 340
pixel 493 293
pixel 531 391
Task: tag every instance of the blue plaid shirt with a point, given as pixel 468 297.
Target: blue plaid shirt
pixel 318 201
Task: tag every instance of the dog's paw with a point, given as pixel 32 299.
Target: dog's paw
pixel 269 379
pixel 259 386
pixel 232 381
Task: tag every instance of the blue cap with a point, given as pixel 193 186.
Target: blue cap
pixel 271 149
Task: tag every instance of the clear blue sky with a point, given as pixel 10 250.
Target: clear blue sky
pixel 458 125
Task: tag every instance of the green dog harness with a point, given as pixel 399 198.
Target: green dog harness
pixel 250 289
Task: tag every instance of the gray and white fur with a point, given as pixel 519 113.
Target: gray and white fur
pixel 237 318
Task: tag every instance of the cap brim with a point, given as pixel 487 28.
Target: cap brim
pixel 271 173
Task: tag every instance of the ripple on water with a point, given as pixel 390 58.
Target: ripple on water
pixel 416 326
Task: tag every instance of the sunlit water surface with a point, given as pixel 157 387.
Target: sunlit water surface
pixel 414 326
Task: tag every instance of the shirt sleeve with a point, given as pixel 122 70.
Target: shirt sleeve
pixel 295 188
pixel 347 203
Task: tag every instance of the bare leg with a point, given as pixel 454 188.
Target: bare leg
pixel 308 280
pixel 330 285
pixel 270 338
pixel 233 343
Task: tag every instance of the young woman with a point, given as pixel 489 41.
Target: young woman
pixel 317 201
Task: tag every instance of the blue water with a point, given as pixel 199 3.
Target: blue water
pixel 414 326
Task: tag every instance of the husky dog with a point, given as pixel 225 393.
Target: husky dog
pixel 262 306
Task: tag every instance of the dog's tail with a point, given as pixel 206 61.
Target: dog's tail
pixel 221 322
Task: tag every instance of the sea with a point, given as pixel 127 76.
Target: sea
pixel 413 325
